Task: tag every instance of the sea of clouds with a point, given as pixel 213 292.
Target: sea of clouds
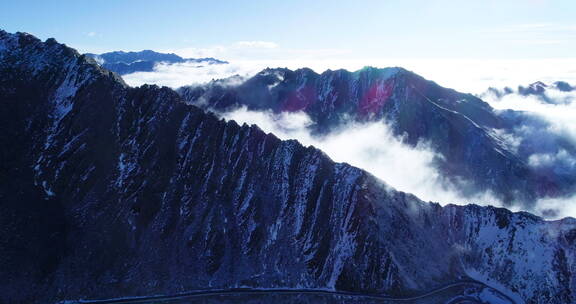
pixel 548 126
pixel 465 75
pixel 546 138
pixel 372 147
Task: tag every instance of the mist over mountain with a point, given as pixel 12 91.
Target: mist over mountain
pixel 145 61
pixel 543 131
pixel 478 153
pixel 110 191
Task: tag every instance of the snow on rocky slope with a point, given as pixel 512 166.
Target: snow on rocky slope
pixel 110 191
pixel 471 138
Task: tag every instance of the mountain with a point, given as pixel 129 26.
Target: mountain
pixel 143 61
pixel 462 128
pixel 547 93
pixel 110 191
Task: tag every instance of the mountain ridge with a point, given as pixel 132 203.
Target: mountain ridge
pixel 227 206
pixel 460 127
pixel 144 61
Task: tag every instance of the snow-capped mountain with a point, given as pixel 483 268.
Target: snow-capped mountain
pixel 144 61
pixel 109 191
pixel 472 138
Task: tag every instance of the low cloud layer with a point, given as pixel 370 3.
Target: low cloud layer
pixel 470 76
pixel 556 208
pixel 559 108
pixel 372 147
pixel 545 138
pixel 188 73
pixel 556 111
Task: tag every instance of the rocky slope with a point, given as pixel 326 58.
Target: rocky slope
pixel 463 129
pixel 144 61
pixel 110 191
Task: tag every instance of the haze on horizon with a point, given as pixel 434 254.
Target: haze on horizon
pixel 464 45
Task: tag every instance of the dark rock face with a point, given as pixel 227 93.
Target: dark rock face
pixel 459 126
pixel 143 61
pixel 110 191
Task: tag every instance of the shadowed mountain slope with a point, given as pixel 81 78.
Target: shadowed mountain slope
pixel 110 191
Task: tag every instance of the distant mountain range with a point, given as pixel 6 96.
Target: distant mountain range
pixel 143 61
pixel 109 191
pixel 537 89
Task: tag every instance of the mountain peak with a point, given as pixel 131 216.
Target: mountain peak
pixel 387 71
pixel 49 57
pixel 563 86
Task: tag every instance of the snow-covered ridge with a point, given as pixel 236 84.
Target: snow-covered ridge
pixel 69 72
pixel 7 42
pixel 25 49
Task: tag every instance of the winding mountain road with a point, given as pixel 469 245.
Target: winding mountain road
pixel 252 291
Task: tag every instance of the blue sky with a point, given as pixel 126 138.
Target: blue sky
pixel 408 28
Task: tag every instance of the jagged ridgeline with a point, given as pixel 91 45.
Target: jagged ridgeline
pixel 465 131
pixel 109 191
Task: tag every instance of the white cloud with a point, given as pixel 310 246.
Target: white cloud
pixel 234 51
pixel 257 44
pixel 541 36
pixel 510 140
pixel 561 159
pixel 416 173
pixel 465 75
pixel 538 41
pixel 557 111
pixel 93 34
pixel 99 59
pixel 556 208
pixel 534 28
pixel 372 147
pixel 560 114
pixel 187 73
